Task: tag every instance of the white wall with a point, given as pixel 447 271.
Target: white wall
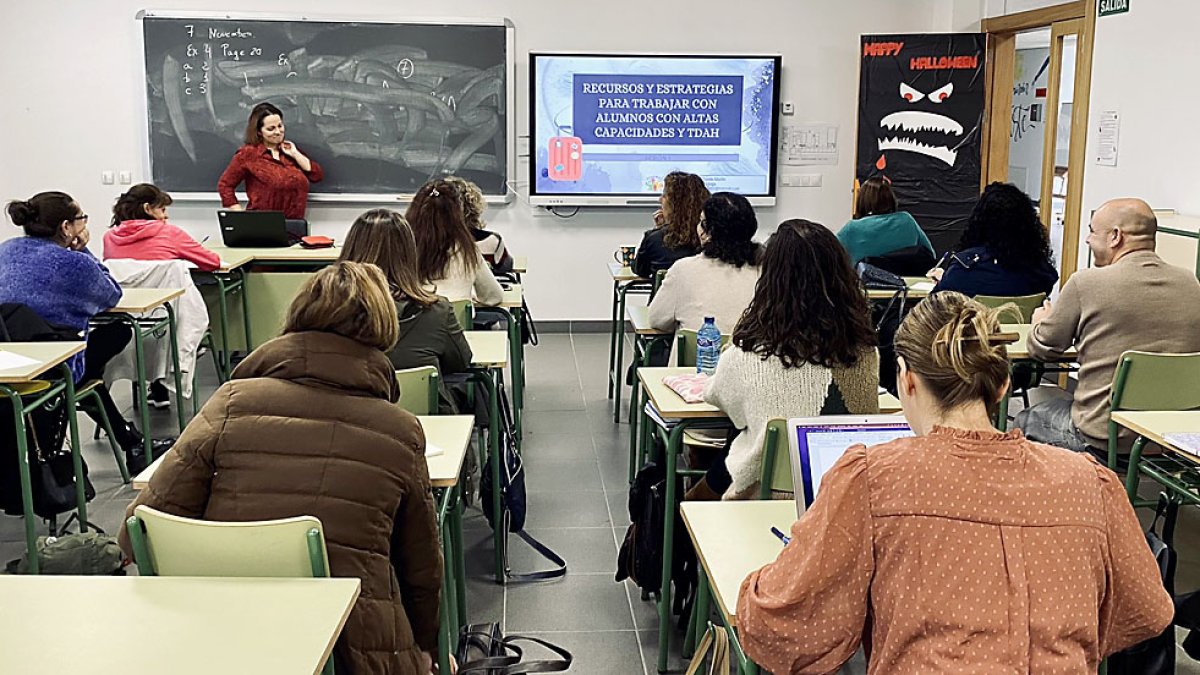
pixel 72 83
pixel 1143 67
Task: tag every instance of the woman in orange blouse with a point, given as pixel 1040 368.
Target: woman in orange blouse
pixel 962 549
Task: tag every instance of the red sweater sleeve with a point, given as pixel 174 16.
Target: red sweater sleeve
pixel 232 177
pixel 193 251
pixel 316 173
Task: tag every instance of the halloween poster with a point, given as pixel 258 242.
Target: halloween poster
pixel 920 125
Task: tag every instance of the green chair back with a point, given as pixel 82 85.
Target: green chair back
pixel 658 279
pixel 1148 381
pixel 776 461
pixel 418 390
pixel 173 546
pixel 464 311
pixel 1025 304
pixel 685 347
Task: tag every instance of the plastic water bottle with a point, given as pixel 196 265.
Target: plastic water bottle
pixel 708 347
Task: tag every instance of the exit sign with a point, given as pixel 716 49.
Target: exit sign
pixel 1110 7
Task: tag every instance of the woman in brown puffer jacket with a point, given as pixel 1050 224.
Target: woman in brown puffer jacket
pixel 308 426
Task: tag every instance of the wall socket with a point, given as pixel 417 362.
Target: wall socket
pixel 107 177
pixel 787 108
pixel 126 177
pixel 801 179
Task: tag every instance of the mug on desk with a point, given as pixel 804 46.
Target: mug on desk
pixel 625 255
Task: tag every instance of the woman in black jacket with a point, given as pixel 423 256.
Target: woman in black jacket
pixel 674 235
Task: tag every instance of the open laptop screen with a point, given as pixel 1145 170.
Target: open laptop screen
pixel 818 445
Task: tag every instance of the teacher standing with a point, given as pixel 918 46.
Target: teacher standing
pixel 274 170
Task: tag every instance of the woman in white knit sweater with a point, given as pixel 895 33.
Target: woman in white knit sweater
pixel 720 281
pixel 449 263
pixel 804 347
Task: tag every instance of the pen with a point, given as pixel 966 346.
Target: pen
pixel 205 239
pixel 782 537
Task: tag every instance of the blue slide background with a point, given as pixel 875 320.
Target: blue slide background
pixel 738 161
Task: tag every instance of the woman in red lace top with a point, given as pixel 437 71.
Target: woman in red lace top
pixel 274 170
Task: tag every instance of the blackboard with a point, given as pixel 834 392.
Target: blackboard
pixel 383 107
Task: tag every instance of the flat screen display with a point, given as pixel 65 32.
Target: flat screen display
pixel 607 128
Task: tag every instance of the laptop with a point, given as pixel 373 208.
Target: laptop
pixel 253 229
pixel 817 443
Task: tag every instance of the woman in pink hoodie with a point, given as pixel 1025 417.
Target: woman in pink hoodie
pixel 140 231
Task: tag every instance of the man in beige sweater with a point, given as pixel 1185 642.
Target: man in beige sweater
pixel 1130 300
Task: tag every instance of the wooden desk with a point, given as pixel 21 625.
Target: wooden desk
pixel 179 625
pixel 1019 349
pixel 133 310
pixel 918 288
pixel 639 318
pixel 622 273
pixel 513 297
pixel 734 539
pixel 888 404
pixel 275 254
pixel 451 433
pixel 520 264
pixel 489 348
pixel 46 355
pixel 1154 424
pixel 624 282
pixel 1178 471
pixel 669 404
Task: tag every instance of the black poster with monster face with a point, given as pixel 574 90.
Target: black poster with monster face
pixel 920 124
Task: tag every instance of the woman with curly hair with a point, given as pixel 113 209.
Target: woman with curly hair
pixel 718 283
pixel 1004 250
pixel 674 235
pixel 490 244
pixel 804 347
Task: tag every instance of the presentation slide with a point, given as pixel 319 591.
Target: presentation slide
pixel 616 125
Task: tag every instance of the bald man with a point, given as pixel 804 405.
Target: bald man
pixel 1131 299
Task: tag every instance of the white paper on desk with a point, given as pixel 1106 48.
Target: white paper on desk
pixel 433 450
pixel 922 286
pixel 12 361
pixel 1185 441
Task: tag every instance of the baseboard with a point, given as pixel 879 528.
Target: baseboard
pixel 598 326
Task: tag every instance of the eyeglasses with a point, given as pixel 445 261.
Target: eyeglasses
pixel 83 217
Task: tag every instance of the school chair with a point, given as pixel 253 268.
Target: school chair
pixel 1025 376
pixel 464 311
pixel 657 284
pixel 86 391
pixel 168 545
pixel 418 390
pixel 776 461
pixel 685 347
pixel 1148 381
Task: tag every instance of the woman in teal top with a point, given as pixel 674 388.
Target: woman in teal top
pixel 878 228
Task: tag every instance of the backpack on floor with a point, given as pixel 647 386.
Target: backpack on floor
pixel 483 649
pixel 513 499
pixel 640 557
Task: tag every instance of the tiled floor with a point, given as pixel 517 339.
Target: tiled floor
pixel 576 461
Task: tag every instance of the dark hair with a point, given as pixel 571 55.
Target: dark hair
pixel 383 238
pixel 43 214
pixel 875 197
pixel 684 195
pixel 436 217
pixel 730 223
pixel 255 123
pixel 132 205
pixel 1004 222
pixel 808 304
pixel 947 339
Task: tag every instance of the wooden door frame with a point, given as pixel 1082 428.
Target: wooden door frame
pixel 1001 63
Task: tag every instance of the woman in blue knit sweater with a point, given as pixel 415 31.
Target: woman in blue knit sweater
pixel 51 271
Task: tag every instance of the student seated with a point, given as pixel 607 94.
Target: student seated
pixel 51 271
pixel 962 549
pixel 449 262
pixel 429 331
pixel 1130 300
pixel 720 281
pixel 140 231
pixel 308 426
pixel 878 229
pixel 804 347
pixel 674 235
pixel 490 244
pixel 1004 250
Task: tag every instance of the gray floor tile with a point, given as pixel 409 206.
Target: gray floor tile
pixel 555 396
pixel 549 473
pixel 567 509
pixel 558 447
pixel 593 652
pixel 556 422
pixel 649 641
pixel 577 602
pixel 586 550
pixel 645 612
pixel 485 601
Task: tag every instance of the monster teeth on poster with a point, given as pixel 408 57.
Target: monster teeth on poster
pixel 920 116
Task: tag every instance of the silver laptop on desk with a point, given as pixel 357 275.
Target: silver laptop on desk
pixel 817 443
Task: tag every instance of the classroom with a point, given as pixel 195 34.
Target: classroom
pixel 504 337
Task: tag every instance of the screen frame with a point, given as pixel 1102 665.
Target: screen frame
pixel 635 198
pixel 802 483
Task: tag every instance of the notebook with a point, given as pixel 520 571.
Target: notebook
pixel 817 443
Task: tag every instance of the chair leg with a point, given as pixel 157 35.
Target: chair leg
pixel 118 453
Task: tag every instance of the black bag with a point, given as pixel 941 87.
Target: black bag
pixel 484 650
pixel 513 504
pixel 1155 656
pixel 911 261
pixel 51 474
pixel 640 557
